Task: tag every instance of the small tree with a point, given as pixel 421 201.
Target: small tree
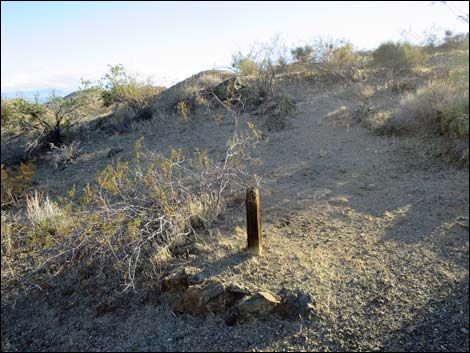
pixel 302 54
pixel 65 111
pixel 47 121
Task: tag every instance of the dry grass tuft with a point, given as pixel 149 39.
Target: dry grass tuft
pixel 434 108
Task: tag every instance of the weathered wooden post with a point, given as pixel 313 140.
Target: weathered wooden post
pixel 253 221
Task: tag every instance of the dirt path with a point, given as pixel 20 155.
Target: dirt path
pixel 367 226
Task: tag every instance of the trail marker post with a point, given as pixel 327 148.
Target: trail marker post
pixel 253 221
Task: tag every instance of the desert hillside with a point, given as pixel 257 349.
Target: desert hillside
pixel 124 225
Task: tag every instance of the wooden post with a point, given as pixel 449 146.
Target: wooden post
pixel 253 221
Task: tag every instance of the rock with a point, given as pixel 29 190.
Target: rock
pixel 228 88
pixel 295 305
pixel 368 187
pixel 238 288
pixel 113 151
pixel 459 127
pixel 180 280
pixel 261 303
pixel 231 316
pixel 200 300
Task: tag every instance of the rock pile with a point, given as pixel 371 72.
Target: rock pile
pixel 234 302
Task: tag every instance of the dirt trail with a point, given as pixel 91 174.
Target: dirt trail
pixel 363 223
pixel 368 227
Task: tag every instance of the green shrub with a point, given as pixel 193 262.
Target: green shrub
pixel 45 124
pixel 6 112
pixel 397 56
pixel 15 182
pixel 303 54
pixel 119 88
pixel 340 62
pixel 244 64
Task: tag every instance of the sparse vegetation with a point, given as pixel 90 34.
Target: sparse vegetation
pixel 302 54
pixel 357 237
pixel 397 57
pixel 435 108
pixel 342 62
pixel 65 154
pixel 119 88
pixel 15 182
pixel 128 224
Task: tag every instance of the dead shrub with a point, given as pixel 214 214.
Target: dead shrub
pixel 65 154
pixel 362 112
pixel 277 111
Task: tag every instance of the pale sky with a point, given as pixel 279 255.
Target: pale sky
pixel 54 44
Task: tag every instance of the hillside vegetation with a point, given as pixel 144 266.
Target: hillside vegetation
pixel 125 199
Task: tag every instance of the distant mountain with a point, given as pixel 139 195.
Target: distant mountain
pixel 29 95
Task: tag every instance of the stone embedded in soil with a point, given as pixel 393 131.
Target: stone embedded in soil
pixel 231 316
pixel 201 300
pixel 261 303
pixel 238 289
pixel 295 305
pixel 180 280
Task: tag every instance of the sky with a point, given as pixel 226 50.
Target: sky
pixel 48 45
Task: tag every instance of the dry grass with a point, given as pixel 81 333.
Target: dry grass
pixel 65 154
pixel 188 88
pixel 434 108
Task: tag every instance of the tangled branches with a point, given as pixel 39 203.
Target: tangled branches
pixel 126 226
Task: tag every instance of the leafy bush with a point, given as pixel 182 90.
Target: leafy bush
pixel 183 110
pixel 119 88
pixel 244 65
pixel 340 63
pixel 15 182
pixel 302 54
pixel 45 124
pixel 6 112
pixel 397 57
